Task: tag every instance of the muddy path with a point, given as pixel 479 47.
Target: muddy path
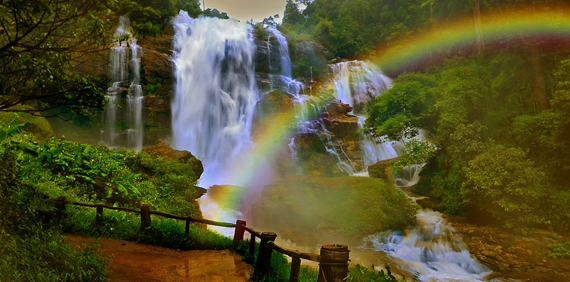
pixel 136 262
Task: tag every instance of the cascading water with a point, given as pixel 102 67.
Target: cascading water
pixel 214 97
pixel 125 57
pixel 432 249
pixel 283 51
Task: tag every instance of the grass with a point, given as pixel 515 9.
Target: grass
pixel 163 232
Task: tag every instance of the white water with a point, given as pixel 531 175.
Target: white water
pixel 283 51
pixel 432 249
pixel 125 56
pixel 214 98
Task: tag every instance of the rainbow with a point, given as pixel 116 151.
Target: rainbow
pixel 498 26
pixel 549 23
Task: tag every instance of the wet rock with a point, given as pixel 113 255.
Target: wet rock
pixel 162 150
pixel 312 156
pixel 382 168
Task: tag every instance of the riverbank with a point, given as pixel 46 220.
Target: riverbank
pixel 512 255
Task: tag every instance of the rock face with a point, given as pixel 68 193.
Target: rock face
pixel 312 156
pixel 310 55
pixel 158 86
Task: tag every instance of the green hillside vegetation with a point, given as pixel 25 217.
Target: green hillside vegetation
pixel 497 150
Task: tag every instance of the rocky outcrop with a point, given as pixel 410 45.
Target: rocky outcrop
pixel 382 169
pixel 312 210
pixel 163 151
pixel 312 156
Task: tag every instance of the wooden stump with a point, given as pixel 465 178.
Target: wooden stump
pixel 263 263
pixel 333 266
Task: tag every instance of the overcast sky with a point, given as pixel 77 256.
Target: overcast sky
pixel 244 10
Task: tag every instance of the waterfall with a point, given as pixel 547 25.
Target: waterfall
pixel 432 249
pixel 215 93
pixel 356 82
pixel 283 51
pixel 124 63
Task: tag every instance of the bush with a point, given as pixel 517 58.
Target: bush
pixel 560 250
pixel 504 182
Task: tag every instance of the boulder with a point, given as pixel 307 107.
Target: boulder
pixel 342 125
pixel 162 150
pixel 382 169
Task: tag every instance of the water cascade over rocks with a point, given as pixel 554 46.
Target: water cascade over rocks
pixel 214 98
pixel 432 249
pixel 212 113
pixel 125 57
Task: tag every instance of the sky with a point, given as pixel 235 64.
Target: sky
pixel 244 10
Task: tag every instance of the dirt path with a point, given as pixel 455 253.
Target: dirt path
pixel 137 262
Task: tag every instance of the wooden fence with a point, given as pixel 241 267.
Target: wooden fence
pixel 333 259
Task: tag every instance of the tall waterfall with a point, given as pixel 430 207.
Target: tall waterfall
pixel 124 64
pixel 215 93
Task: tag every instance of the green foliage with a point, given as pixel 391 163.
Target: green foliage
pixel 40 53
pixel 355 28
pixel 559 250
pixel 30 253
pixel 409 104
pixel 479 111
pixel 360 273
pixel 415 152
pixel 12 128
pixel 508 185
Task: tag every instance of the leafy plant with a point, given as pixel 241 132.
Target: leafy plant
pixel 559 250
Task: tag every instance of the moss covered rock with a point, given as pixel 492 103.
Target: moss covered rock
pixel 309 209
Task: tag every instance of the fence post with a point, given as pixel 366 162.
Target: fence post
pixel 263 263
pixel 252 245
pixel 60 207
pixel 145 216
pixel 333 266
pixel 238 233
pixel 295 268
pixel 99 216
pixel 187 232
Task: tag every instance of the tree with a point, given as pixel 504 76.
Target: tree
pixel 508 185
pixel 41 43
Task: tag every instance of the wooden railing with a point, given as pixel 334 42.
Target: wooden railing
pixel 333 259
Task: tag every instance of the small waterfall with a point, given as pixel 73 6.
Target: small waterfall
pixel 432 249
pixel 215 93
pixel 124 59
pixel 283 51
pixel 356 82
